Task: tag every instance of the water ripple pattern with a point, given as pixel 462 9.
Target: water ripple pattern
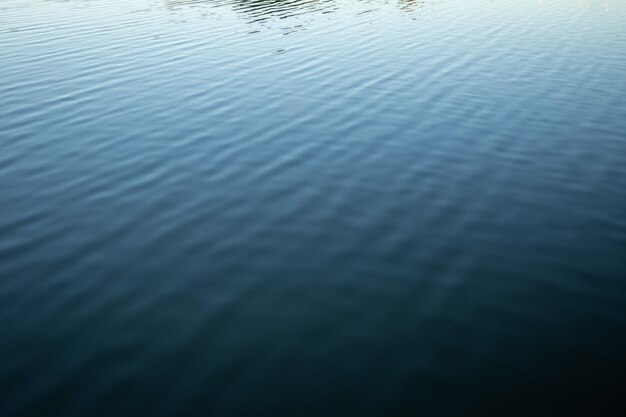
pixel 311 207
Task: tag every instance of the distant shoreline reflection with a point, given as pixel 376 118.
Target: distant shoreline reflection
pixel 259 11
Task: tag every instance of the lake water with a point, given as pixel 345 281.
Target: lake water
pixel 331 207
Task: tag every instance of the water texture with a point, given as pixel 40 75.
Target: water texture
pixel 331 207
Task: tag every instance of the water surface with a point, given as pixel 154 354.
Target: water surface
pixel 265 207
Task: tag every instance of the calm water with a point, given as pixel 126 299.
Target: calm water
pixel 265 207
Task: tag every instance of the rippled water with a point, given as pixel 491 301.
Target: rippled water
pixel 309 207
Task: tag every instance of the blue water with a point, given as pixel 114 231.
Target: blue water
pixel 348 207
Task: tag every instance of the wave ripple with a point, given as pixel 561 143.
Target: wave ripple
pixel 311 207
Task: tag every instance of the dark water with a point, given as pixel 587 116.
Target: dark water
pixel 351 207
